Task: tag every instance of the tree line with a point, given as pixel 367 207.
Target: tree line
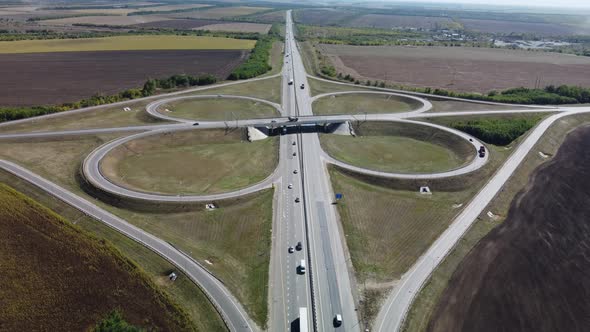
pixel 496 131
pixel 150 87
pixel 257 63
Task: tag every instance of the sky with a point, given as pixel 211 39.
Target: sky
pixel 530 3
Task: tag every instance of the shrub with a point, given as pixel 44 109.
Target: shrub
pixel 496 131
pixel 257 63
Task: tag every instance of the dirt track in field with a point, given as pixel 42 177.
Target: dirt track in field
pixel 531 273
pixel 55 78
pixel 457 68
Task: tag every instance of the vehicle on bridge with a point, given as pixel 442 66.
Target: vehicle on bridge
pixel 293 119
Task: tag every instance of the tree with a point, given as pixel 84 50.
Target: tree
pixel 149 88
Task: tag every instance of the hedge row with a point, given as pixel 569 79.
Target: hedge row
pixel 149 88
pixel 257 63
pixel 496 131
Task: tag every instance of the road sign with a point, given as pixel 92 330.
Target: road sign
pixel 338 196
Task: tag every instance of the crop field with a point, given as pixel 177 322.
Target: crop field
pixel 363 103
pixel 269 17
pixel 46 78
pixel 508 27
pixel 235 238
pixel 323 16
pixel 115 20
pixel 459 69
pixel 524 270
pixel 396 147
pixel 191 162
pixel 35 234
pixel 218 109
pixel 421 311
pixel 237 27
pixel 398 21
pixel 180 24
pixel 125 43
pixel 172 7
pixel 220 12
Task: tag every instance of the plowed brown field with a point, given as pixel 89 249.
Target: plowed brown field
pixel 532 272
pixel 54 78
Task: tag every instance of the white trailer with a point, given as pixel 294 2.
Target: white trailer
pixel 303 320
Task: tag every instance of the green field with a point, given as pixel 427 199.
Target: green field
pixel 217 109
pixel 399 147
pixel 362 103
pixel 318 87
pixel 426 301
pixel 37 295
pixel 191 162
pixel 391 153
pixel 235 237
pixel 126 43
pixel 268 89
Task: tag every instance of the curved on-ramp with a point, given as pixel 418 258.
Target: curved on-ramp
pixel 474 165
pixel 231 311
pixel 426 105
pixel 92 174
pixel 152 108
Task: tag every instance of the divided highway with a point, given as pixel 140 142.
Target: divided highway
pixel 303 209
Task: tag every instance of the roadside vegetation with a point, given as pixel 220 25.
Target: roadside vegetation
pixel 233 241
pixel 497 129
pixel 427 299
pixel 259 61
pixel 85 268
pixel 221 109
pixel 497 132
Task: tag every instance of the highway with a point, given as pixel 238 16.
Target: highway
pixel 328 286
pixel 331 285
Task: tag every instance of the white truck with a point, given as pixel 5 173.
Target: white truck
pixel 303 320
pixel 291 82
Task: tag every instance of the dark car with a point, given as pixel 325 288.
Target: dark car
pixel 293 119
pixel 482 154
pixel 195 124
pixel 297 200
pixel 299 246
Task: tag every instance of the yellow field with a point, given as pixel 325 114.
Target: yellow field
pixel 122 43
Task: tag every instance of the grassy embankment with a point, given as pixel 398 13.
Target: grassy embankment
pixel 87 273
pixel 191 162
pixel 217 109
pixel 235 238
pixel 363 103
pixel 399 147
pixel 426 300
